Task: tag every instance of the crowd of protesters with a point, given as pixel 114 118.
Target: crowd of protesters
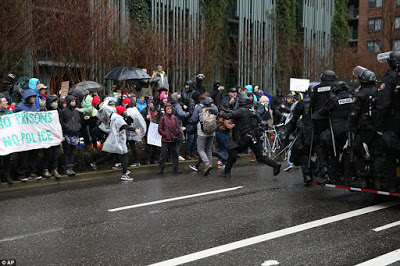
pixel 119 122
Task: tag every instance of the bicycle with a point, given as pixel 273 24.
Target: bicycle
pixel 272 140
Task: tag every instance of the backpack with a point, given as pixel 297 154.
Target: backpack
pixel 208 121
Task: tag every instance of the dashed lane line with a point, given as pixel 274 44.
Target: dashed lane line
pixel 174 199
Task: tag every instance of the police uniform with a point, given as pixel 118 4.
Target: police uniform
pixel 338 109
pixel 245 135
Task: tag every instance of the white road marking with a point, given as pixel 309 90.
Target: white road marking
pixel 270 263
pixel 174 199
pixel 272 235
pixel 383 260
pixel 31 234
pixel 381 228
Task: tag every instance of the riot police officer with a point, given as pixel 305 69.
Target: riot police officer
pixel 320 94
pixel 333 140
pixel 387 118
pixel 363 140
pixel 300 125
pixel 246 134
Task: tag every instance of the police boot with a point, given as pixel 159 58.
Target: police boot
pixel 378 183
pixel 307 180
pixel 277 169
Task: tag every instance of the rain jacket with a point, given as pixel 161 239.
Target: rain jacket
pixel 141 105
pixel 163 82
pixel 70 118
pixel 163 129
pixel 177 107
pixel 33 82
pixel 116 140
pixel 250 90
pixel 104 115
pixel 24 106
pixel 138 122
pixel 87 107
pixel 198 111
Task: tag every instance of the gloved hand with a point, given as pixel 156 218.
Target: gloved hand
pixel 126 127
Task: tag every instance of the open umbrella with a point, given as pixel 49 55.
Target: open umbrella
pixel 83 88
pixel 126 73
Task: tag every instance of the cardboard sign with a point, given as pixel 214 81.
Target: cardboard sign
pixel 64 89
pixel 299 84
pixel 153 137
pixel 25 131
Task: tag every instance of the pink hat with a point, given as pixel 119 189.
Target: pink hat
pixel 162 96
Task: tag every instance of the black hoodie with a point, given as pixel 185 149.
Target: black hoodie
pixel 70 118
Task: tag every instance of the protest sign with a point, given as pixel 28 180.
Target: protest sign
pixel 153 137
pixel 299 84
pixel 25 131
pixel 64 89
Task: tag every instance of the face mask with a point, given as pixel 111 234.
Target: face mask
pixel 54 105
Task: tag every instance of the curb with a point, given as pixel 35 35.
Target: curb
pixel 89 176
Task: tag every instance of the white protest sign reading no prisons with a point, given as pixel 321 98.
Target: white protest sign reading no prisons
pixel 25 131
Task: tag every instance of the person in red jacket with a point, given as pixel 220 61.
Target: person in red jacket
pixel 168 127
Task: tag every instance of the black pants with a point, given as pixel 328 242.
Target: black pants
pixel 108 157
pixel 132 144
pixel 28 162
pixel 244 143
pixel 87 127
pixel 69 153
pixel 5 162
pixel 152 151
pixel 51 154
pixel 319 127
pixel 98 134
pixel 173 149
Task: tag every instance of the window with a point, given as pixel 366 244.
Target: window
pixel 397 2
pixel 397 24
pixel 374 24
pixel 376 3
pixel 397 45
pixel 374 46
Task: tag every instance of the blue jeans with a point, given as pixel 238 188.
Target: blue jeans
pixel 222 141
pixel 191 141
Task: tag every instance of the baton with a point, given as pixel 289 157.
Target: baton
pixel 333 137
pixel 311 145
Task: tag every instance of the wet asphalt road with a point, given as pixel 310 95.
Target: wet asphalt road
pixel 70 224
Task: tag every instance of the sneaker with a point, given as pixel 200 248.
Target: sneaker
pixel 181 158
pixel 46 173
pixel 72 171
pixel 288 168
pixel 126 177
pixel 117 166
pixel 35 177
pixel 207 169
pixel 127 172
pixel 160 171
pixel 193 167
pixel 23 178
pixel 94 166
pixel 135 165
pixel 178 171
pixel 56 174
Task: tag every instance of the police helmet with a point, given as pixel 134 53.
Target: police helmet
pixel 394 59
pixel 365 75
pixel 328 75
pixel 340 86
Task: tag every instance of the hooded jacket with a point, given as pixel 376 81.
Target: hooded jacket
pixel 24 105
pixel 33 82
pixel 172 127
pixel 216 94
pixel 198 111
pixel 50 99
pixel 177 108
pixel 70 118
pixel 141 105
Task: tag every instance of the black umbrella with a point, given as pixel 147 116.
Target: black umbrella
pixel 83 88
pixel 126 73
